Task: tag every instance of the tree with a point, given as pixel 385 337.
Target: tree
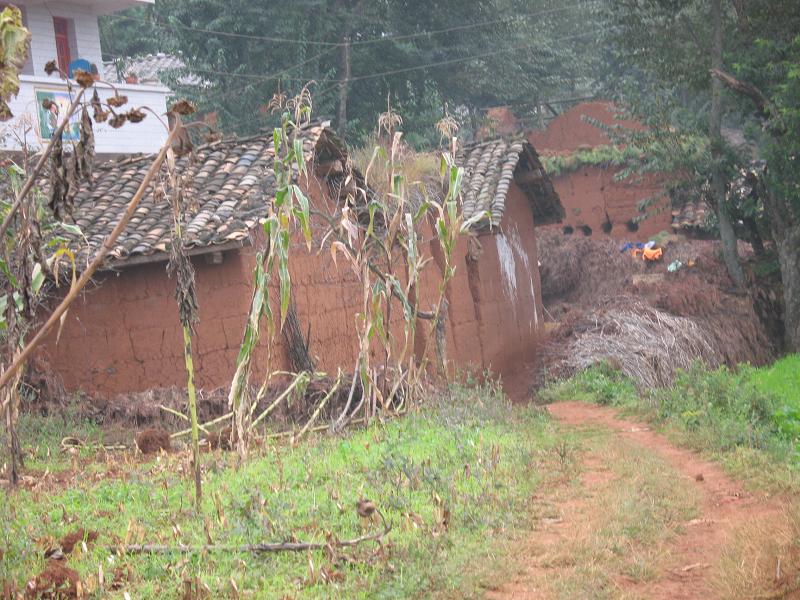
pixel 466 54
pixel 718 179
pixel 660 64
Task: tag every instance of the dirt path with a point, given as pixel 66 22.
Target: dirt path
pixel 689 561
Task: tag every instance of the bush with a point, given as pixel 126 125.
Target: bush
pixel 601 384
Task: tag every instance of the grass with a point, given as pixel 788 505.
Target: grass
pixel 454 480
pixel 415 166
pixel 625 508
pixel 747 418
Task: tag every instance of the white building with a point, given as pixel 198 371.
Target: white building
pixel 68 32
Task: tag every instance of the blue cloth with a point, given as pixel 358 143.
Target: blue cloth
pixel 79 63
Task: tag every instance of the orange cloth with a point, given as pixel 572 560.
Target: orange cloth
pixel 652 254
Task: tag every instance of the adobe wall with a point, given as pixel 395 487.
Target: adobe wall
pixel 124 335
pixel 589 192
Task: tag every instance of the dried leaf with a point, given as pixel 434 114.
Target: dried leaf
pixel 47 104
pixel 136 115
pixel 181 143
pixel 118 120
pixel 183 107
pixel 14 53
pixel 84 78
pixel 117 100
pixel 60 197
pixel 83 157
pixel 97 106
pixel 50 67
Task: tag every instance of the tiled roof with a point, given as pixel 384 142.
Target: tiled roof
pixel 696 214
pixel 227 186
pixel 489 170
pixel 693 215
pixel 150 69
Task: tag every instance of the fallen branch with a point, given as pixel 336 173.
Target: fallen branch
pixel 254 548
pixel 87 275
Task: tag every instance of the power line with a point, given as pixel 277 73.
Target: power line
pixel 458 60
pixel 521 17
pixel 336 82
pixel 232 34
pixel 386 38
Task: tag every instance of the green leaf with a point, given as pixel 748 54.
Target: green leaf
pixel 299 157
pixel 3 308
pixel 304 214
pixel 37 278
pixel 70 228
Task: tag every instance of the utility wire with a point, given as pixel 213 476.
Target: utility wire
pixel 386 38
pixel 336 82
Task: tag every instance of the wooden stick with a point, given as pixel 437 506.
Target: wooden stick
pixel 320 407
pixel 253 548
pixel 86 276
pixel 37 169
pixel 202 426
pixel 298 378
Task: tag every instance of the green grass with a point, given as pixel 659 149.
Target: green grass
pixel 469 454
pixel 748 418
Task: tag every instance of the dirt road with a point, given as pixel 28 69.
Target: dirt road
pixel 642 519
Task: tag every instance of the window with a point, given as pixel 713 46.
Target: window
pixel 63 52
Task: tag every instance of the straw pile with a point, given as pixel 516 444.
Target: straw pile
pixel 647 344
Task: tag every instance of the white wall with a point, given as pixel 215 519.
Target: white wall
pixel 146 136
pixel 39 20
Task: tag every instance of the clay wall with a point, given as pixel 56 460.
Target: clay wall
pixel 589 193
pixel 123 335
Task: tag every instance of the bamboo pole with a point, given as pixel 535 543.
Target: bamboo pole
pixel 86 276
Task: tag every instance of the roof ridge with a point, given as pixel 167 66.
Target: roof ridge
pixel 325 124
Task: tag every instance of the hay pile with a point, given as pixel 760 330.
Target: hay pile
pixel 639 317
pixel 645 343
pixel 574 268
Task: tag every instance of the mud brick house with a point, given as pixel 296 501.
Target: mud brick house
pixel 590 194
pixel 123 335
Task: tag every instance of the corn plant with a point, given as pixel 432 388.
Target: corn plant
pixel 181 267
pixel 289 209
pixel 31 247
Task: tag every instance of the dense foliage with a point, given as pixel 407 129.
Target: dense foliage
pixel 456 56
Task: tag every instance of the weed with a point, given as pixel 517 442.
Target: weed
pixel 749 418
pixel 454 479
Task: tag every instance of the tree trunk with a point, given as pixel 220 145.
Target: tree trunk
pixel 789 258
pixel 344 85
pixel 718 183
pixel 785 228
